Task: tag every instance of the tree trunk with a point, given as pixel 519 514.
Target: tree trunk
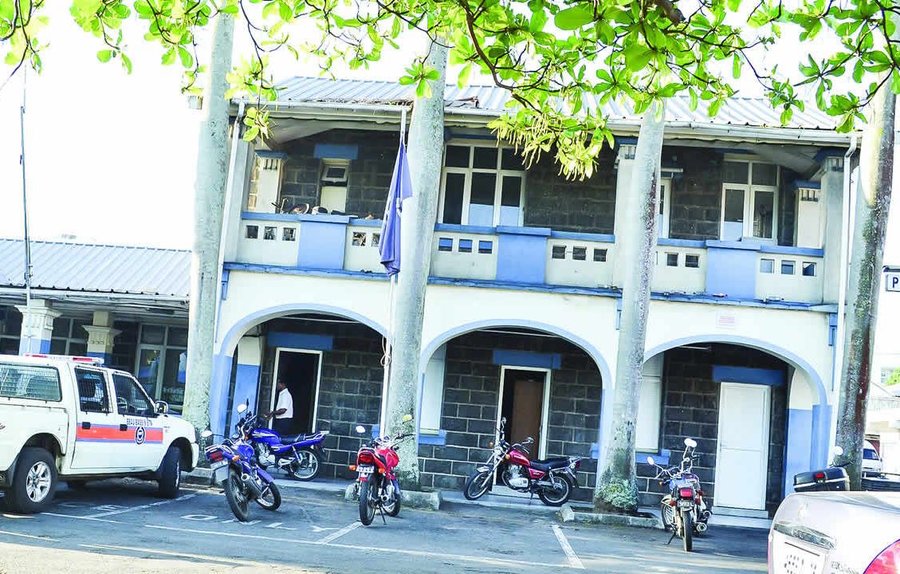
pixel 617 486
pixel 209 201
pixel 426 148
pixel 872 206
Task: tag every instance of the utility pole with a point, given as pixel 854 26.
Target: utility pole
pixel 426 148
pixel 209 200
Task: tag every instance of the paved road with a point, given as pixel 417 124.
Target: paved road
pixel 119 526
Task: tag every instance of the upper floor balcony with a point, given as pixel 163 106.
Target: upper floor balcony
pixel 747 221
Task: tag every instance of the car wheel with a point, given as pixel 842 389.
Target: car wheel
pixel 34 483
pixel 170 473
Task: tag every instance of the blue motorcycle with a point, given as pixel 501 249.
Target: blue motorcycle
pixel 298 455
pixel 233 464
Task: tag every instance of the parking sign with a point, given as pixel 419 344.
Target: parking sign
pixel 892 278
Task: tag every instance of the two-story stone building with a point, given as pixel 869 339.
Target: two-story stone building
pixel 524 293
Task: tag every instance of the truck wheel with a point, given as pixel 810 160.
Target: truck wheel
pixel 170 473
pixel 34 483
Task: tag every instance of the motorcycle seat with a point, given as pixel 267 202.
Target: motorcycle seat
pixel 550 463
pixel 292 438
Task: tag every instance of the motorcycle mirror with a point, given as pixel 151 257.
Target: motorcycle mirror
pixel 650 461
pixel 360 429
pixel 837 451
pixel 406 418
pixel 503 422
pixel 207 433
pixel 241 408
pixel 689 442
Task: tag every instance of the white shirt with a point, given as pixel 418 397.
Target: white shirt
pixel 286 402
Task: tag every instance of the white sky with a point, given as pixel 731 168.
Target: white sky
pixel 111 157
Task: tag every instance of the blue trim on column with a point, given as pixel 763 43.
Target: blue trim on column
pixel 300 341
pixel 747 375
pixel 832 328
pixel 45 346
pixel 787 250
pixel 105 357
pixel 226 275
pixel 335 151
pixel 322 245
pixel 522 258
pixel 218 392
pixel 692 243
pixel 536 231
pixel 527 359
pixel 475 229
pixel 821 430
pixel 799 449
pixel 731 269
pixel 577 236
pixel 246 386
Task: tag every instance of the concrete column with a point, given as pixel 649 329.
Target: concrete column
pixel 832 193
pixel 236 199
pixel 101 336
pixel 37 326
pixel 625 165
pixel 246 382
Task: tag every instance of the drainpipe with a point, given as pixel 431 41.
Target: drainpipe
pixel 837 349
pixel 226 213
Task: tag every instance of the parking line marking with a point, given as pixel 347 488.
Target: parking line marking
pixel 486 560
pixel 574 560
pixel 141 507
pixel 335 535
pixel 79 517
pixel 29 536
pixel 214 559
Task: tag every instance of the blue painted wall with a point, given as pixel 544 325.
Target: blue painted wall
pixel 522 254
pixel 322 245
pixel 527 359
pixel 300 341
pixel 747 375
pixel 731 270
pixel 799 451
pixel 246 386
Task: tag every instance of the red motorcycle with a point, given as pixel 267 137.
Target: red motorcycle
pixel 552 479
pixel 377 487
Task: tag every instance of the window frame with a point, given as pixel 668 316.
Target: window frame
pixel 467 173
pixel 163 349
pixel 750 190
pixel 108 408
pixel 151 404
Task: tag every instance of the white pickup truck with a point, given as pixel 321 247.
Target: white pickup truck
pixel 69 418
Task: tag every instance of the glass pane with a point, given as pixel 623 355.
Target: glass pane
pixel 77 348
pixel 178 337
pixel 10 322
pixel 733 226
pixel 61 327
pixel 767 266
pixel 787 267
pixel 735 171
pixel 511 160
pixel 511 195
pixel 484 186
pixel 453 197
pixel 485 157
pixel 92 392
pixel 763 214
pixel 148 369
pixel 130 400
pixel 27 382
pixel 153 334
pixel 457 156
pixel 765 174
pixel 173 377
pixel 57 346
pixel 78 331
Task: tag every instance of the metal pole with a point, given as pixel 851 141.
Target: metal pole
pixel 28 270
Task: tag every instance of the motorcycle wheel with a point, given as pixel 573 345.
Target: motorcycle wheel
pixel 687 530
pixel 667 513
pixel 477 484
pixel 236 496
pixel 366 506
pixel 271 497
pixel 393 509
pixel 307 467
pixel 557 497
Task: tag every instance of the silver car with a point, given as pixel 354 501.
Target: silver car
pixel 836 533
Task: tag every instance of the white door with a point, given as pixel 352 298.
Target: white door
pixel 743 453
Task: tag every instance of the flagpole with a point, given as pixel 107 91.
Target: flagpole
pixel 28 268
pixel 392 281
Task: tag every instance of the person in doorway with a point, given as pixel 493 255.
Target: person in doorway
pixel 283 414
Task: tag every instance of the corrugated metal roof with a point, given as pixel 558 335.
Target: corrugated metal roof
pixel 738 111
pixel 97 268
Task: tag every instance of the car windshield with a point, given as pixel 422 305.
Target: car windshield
pixel 869 454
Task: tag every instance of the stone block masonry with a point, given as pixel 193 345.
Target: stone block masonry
pixel 471 402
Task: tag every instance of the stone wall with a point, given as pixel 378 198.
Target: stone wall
pixel 691 409
pixel 471 397
pixel 349 388
pixel 587 206
pixel 696 194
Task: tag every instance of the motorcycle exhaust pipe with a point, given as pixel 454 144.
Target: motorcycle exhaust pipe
pixel 251 484
pixel 701 527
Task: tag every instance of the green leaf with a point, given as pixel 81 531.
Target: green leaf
pixel 126 62
pixel 406 80
pixel 285 12
pixel 105 55
pixel 574 17
pixel 736 66
pixel 187 60
pixel 463 80
pixel 168 57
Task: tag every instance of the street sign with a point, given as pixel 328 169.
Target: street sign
pixel 892 278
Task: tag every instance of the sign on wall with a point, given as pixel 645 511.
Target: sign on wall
pixel 892 278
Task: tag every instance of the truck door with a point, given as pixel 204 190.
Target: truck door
pixel 138 413
pixel 98 434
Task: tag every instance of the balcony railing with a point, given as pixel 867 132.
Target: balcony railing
pixel 540 256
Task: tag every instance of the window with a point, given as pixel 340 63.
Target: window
pixel 671 259
pixel 130 398
pixel 27 382
pixel 10 328
pixel 333 184
pixel 692 261
pixel 269 233
pixel 767 266
pixel 161 363
pixel 465 246
pixel 485 247
pixel 749 200
pixel 665 202
pixel 647 429
pixel 252 232
pixel 809 269
pixel 559 252
pixel 288 234
pixel 600 255
pixel 69 337
pixel 445 244
pixel 787 267
pixel 579 253
pixel 482 186
pixel 433 392
pixel 92 393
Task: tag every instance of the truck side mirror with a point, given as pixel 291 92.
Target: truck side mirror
pixel 162 407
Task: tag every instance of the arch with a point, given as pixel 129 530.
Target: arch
pixel 783 354
pixel 584 345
